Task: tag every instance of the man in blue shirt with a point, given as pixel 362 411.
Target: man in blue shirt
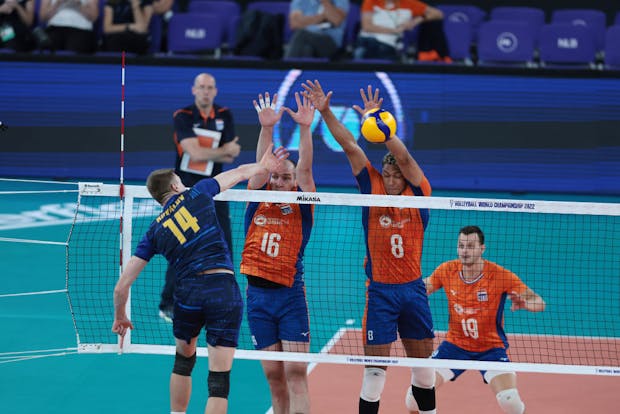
pixel 318 27
pixel 188 235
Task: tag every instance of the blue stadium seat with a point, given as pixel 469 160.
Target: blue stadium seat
pixel 464 13
pixel 612 47
pixel 195 33
pixel 533 16
pixel 352 27
pixel 563 44
pixel 459 36
pixel 229 10
pixel 595 20
pixel 504 42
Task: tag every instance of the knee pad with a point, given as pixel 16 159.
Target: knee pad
pixel 219 384
pixel 423 377
pixel 372 385
pixel 410 402
pixel 510 401
pixel 184 365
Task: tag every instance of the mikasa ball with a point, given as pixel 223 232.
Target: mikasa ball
pixel 378 125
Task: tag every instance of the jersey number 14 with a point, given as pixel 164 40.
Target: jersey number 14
pixel 180 223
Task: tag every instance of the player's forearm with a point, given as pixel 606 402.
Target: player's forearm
pixel 304 164
pixel 342 135
pixel 407 164
pixel 536 304
pixel 203 154
pixel 244 172
pixel 265 138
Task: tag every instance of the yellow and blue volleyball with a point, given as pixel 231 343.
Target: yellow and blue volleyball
pixel 378 125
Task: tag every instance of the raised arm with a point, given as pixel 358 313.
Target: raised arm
pixel 406 163
pixel 268 163
pixel 268 117
pixel 304 117
pixel 355 154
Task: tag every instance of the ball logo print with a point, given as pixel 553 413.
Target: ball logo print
pixel 507 42
pixel 378 125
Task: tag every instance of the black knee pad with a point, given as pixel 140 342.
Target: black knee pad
pixel 184 365
pixel 425 397
pixel 219 384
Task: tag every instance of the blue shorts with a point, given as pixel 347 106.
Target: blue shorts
pixel 213 301
pixel 448 350
pixel 279 314
pixel 401 308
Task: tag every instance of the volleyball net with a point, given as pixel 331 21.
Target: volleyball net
pixel 567 252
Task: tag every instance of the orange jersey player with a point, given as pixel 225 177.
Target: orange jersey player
pixel 477 290
pixel 394 235
pixel 396 300
pixel 272 260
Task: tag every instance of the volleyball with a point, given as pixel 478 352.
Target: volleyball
pixel 378 125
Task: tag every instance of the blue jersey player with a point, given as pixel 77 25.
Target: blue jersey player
pixel 189 236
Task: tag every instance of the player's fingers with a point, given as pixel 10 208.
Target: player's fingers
pixel 376 95
pixel 267 100
pixel 256 106
pixel 297 100
pixel 261 100
pixel 273 101
pixel 359 109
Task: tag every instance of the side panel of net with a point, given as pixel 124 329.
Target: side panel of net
pixel 571 260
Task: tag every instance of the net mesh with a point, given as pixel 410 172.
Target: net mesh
pixel 566 252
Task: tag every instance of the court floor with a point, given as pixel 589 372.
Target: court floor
pixel 131 383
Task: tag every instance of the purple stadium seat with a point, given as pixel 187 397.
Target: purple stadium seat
pixel 459 36
pixel 352 28
pixel 596 20
pixel 195 33
pixel 229 10
pixel 531 15
pixel 527 14
pixel 564 43
pixel 156 31
pixel 463 13
pixel 505 42
pixel 275 7
pixel 612 47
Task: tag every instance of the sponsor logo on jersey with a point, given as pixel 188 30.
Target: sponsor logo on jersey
pixel 286 209
pixel 219 124
pixel 385 221
pixel 483 296
pixel 260 220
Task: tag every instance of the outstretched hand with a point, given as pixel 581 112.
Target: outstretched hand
pixel 518 302
pixel 314 93
pixel 305 111
pixel 372 101
pixel 272 159
pixel 265 107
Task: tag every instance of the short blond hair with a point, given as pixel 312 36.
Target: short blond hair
pixel 158 183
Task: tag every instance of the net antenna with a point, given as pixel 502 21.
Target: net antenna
pixel 121 194
pixel 565 251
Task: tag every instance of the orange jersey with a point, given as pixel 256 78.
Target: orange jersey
pixel 394 236
pixel 476 307
pixel 417 8
pixel 276 236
